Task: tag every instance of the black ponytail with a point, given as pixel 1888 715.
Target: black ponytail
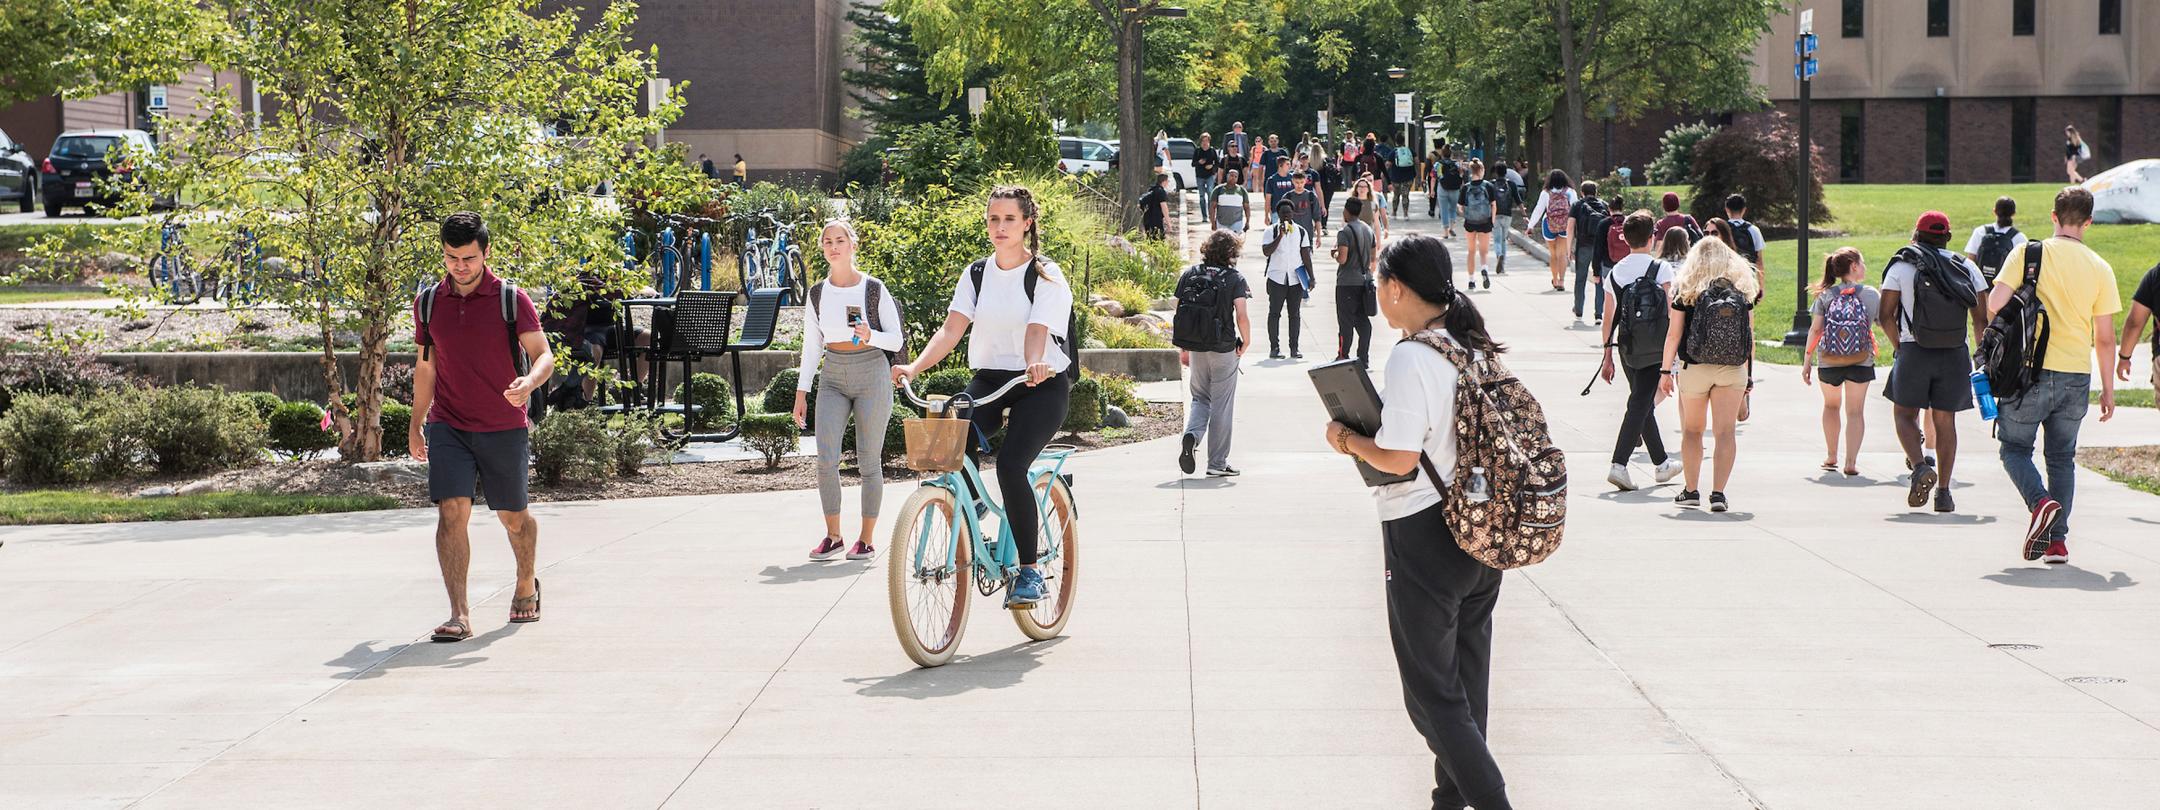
pixel 1421 263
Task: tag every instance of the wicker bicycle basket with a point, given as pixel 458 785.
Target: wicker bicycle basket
pixel 936 443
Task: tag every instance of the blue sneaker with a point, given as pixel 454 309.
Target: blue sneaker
pixel 1026 590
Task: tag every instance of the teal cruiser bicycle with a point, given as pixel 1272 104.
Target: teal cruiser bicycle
pixel 938 554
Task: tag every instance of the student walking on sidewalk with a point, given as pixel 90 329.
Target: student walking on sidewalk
pixel 2076 289
pixel 1712 336
pixel 1288 249
pixel 1211 331
pixel 469 421
pixel 1929 294
pixel 1356 253
pixel 1587 216
pixel 1480 217
pixel 1638 316
pixel 1841 353
pixel 852 324
pixel 1440 599
pixel 1549 222
pixel 1998 243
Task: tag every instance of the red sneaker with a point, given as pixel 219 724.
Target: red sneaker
pixel 861 551
pixel 828 548
pixel 2058 552
pixel 2036 531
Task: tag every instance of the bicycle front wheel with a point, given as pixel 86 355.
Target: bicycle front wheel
pixel 927 573
pixel 1058 559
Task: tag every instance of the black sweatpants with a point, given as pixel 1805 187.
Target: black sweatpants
pixel 1031 418
pixel 1279 295
pixel 1639 424
pixel 1351 322
pixel 1440 607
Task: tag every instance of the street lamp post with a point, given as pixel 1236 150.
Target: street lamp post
pixel 1804 68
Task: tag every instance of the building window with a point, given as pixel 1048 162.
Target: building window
pixel 1938 18
pixel 2110 17
pixel 1938 140
pixel 2024 130
pixel 1849 142
pixel 1854 10
pixel 2021 18
pixel 2107 146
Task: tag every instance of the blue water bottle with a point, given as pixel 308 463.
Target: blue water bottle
pixel 1984 395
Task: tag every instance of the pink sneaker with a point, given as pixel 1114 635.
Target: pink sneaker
pixel 861 551
pixel 827 549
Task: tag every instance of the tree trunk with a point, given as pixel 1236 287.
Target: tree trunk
pixel 1136 166
pixel 1567 120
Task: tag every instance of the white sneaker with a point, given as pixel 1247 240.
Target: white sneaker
pixel 1668 470
pixel 1619 478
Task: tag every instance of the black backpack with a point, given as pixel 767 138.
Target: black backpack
pixel 873 300
pixel 1027 284
pixel 1644 317
pixel 1718 329
pixel 424 311
pixel 2015 342
pixel 1942 298
pixel 1206 314
pixel 1594 225
pixel 1744 237
pixel 1504 198
pixel 1994 250
pixel 1450 175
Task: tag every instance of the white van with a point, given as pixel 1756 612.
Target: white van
pixel 1084 155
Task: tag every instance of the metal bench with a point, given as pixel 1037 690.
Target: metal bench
pixel 688 328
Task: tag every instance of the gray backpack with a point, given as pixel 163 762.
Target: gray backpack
pixel 1477 202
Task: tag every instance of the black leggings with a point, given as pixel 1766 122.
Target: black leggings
pixel 1352 325
pixel 1031 418
pixel 1440 615
pixel 1639 424
pixel 1280 296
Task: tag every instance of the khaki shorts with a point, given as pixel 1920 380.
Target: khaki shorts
pixel 1698 380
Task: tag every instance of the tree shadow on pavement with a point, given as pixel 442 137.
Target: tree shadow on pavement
pixel 2062 576
pixel 364 661
pixel 813 572
pixel 1001 669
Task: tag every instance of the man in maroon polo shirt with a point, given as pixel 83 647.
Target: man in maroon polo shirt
pixel 468 419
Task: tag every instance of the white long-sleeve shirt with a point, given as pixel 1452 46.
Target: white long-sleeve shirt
pixel 830 317
pixel 1537 212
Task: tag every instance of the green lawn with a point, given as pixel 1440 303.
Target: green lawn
pixel 57 506
pixel 1878 219
pixel 8 297
pixel 2125 397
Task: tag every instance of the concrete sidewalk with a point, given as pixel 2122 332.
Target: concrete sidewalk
pixel 1819 647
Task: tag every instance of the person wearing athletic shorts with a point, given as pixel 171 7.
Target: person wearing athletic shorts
pixel 1012 333
pixel 1938 380
pixel 468 420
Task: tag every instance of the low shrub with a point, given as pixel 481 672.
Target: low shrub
pixel 1119 390
pixel 572 445
pixel 396 425
pixel 1084 408
pixel 631 438
pixel 115 418
pixel 43 372
pixel 895 432
pixel 1676 153
pixel 45 440
pixel 1117 334
pixel 295 430
pixel 779 398
pixel 1757 160
pixel 714 397
pixel 264 403
pixel 772 435
pixel 397 381
pixel 1127 293
pixel 196 430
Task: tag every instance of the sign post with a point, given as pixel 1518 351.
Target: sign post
pixel 1804 69
pixel 1403 103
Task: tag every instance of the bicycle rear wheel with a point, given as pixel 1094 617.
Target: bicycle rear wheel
pixel 1058 560
pixel 797 277
pixel 929 596
pixel 171 273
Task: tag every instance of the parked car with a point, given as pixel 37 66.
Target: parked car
pixel 1084 155
pixel 18 174
pixel 1181 170
pixel 81 160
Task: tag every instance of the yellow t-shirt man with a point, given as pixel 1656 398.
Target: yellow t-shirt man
pixel 742 170
pixel 2076 287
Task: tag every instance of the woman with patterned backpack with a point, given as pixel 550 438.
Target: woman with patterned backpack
pixel 1488 492
pixel 1709 347
pixel 1841 352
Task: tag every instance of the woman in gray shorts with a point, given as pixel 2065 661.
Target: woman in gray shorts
pixel 851 322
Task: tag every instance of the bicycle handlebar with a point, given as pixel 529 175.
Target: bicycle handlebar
pixel 907 385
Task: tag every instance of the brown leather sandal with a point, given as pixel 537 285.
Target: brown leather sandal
pixel 534 599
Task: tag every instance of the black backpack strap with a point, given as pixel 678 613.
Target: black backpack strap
pixel 2032 266
pixel 423 311
pixel 975 274
pixel 873 299
pixel 817 296
pixel 518 360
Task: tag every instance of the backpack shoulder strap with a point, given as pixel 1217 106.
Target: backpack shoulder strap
pixel 975 274
pixel 424 304
pixel 2032 266
pixel 873 300
pixel 1027 282
pixel 817 297
pixel 509 306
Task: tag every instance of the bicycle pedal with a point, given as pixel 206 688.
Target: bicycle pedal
pixel 1020 607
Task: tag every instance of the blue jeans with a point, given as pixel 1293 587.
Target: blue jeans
pixel 2058 401
pixel 1207 196
pixel 1585 263
pixel 1447 209
pixel 1500 225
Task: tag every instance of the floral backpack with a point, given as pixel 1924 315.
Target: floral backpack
pixel 1508 505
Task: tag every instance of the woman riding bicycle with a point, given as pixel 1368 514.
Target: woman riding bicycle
pixel 850 321
pixel 1015 334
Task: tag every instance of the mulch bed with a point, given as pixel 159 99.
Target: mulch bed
pixel 327 477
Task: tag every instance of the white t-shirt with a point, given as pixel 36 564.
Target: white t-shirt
pixel 998 339
pixel 1901 275
pixel 2017 243
pixel 1417 412
pixel 829 317
pixel 1627 270
pixel 1283 264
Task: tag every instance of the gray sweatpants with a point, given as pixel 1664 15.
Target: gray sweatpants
pixel 858 382
pixel 1214 395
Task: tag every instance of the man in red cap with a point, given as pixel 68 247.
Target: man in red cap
pixel 1672 219
pixel 1929 294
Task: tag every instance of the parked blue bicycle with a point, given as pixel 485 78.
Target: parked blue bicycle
pixel 938 553
pixel 773 261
